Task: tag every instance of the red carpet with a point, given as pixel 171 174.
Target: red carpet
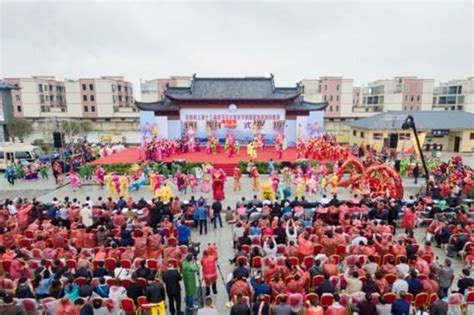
pixel 220 160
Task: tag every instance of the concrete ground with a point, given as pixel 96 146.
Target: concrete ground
pixel 45 190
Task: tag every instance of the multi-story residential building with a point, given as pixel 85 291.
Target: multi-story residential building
pixel 45 97
pixel 455 95
pixel 39 96
pixel 153 90
pixel 337 91
pixel 399 93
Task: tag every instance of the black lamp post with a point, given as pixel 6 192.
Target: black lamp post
pixel 410 124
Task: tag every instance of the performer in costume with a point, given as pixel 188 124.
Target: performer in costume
pixel 299 187
pixel 279 145
pixel 124 185
pixel 116 183
pixel 275 180
pixel 252 150
pixel 192 182
pixel 230 145
pixel 164 193
pixel 99 175
pixel 237 174
pixel 322 185
pixel 218 179
pixel 255 177
pixel 75 180
pixel 206 178
pixel 109 185
pixel 334 182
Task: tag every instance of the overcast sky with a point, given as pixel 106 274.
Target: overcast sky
pixel 294 40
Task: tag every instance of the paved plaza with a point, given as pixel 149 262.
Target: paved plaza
pixel 45 190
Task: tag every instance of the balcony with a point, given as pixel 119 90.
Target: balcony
pixel 367 109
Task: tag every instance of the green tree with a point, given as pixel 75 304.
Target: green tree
pixel 19 128
pixel 72 128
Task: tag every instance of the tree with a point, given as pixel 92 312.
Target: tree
pixel 19 128
pixel 72 128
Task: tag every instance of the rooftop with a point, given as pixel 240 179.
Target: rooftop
pixel 456 120
pixel 243 88
pixel 7 86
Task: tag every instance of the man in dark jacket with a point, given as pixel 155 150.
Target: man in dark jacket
pixel 401 306
pixel 241 307
pixel 465 281
pixel 326 286
pixel 154 292
pixel 217 208
pixel 134 290
pixel 440 307
pixel 171 278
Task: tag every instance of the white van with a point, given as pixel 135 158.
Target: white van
pixel 18 151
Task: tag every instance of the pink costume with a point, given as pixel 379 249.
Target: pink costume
pixel 74 180
pixel 99 174
pixel 218 179
pixel 192 182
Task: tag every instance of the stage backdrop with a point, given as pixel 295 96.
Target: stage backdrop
pixel 243 123
pixel 310 126
pixel 151 125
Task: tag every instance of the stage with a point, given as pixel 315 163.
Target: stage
pixel 219 160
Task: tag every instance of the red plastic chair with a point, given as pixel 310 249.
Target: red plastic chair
pixel 311 296
pixel 142 300
pixel 334 258
pixel 421 300
pixel 244 260
pixel 110 281
pixel 173 262
pixel 125 283
pixel 409 297
pixel 317 249
pixel 391 278
pixel 308 261
pixel 95 263
pixel 390 297
pixel 172 241
pixel 81 281
pixel 326 300
pixel 257 262
pixel 71 263
pixel 126 263
pixel 427 258
pixel 152 264
pixel 30 306
pixel 422 276
pixel 142 282
pixel 470 297
pixel 246 248
pixel 127 305
pixel 6 265
pixel 110 263
pixel 29 234
pixel 281 249
pixel 293 260
pixel 386 258
pixel 341 250
pixel 317 280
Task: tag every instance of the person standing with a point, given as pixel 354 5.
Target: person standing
pixel 154 292
pixel 237 178
pixel 416 172
pixel 241 307
pixel 201 213
pixel 445 276
pixel 10 174
pixel 171 278
pixel 401 306
pixel 217 209
pixel 184 233
pixel 190 269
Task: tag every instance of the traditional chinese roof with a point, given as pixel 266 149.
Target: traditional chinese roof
pixel 7 86
pixel 423 120
pixel 257 89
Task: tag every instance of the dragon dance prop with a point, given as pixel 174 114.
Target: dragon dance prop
pixel 379 179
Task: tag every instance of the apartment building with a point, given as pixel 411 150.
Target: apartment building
pixel 397 94
pixel 153 90
pixel 455 95
pixel 337 91
pixel 45 97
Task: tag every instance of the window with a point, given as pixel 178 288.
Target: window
pixel 84 97
pixel 22 155
pixel 381 99
pixel 47 98
pixel 412 98
pixel 119 88
pixel 92 98
pixel 17 97
pixel 2 155
pixel 411 107
pixel 369 100
pixel 18 108
pixel 325 98
pixel 406 97
pixel 330 98
pixel 461 99
pixel 50 87
pixel 91 87
pixel 354 133
pixel 114 99
pixel 325 87
pixel 442 100
pixel 120 98
pixel 405 108
pixel 330 108
pixel 471 136
pixel 337 87
pixel 418 98
pixel 362 134
pixel 86 108
pixel 337 97
pixel 40 87
pixel 453 89
pixel 42 99
pixel 337 108
pixel 92 108
pixel 113 87
pixel 84 87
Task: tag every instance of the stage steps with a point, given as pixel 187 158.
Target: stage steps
pixel 227 167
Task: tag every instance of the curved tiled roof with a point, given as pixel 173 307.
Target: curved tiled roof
pixel 423 120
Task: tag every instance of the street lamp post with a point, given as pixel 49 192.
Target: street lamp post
pixel 410 124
